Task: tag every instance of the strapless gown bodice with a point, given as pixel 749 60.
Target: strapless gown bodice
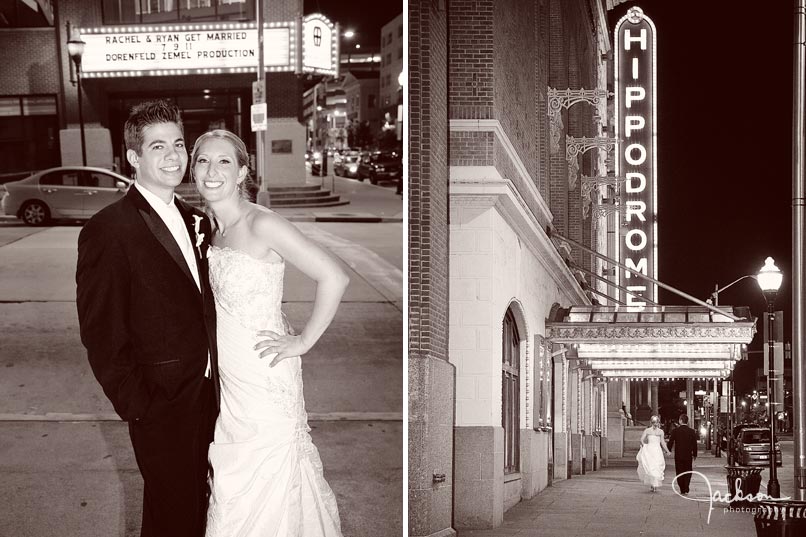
pixel 249 289
pixel 267 478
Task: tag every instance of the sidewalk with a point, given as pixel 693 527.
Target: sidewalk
pixel 612 501
pixel 368 203
pixel 65 457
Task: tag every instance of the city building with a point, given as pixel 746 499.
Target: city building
pixel 200 54
pixel 365 59
pixel 367 93
pixel 392 45
pixel 324 112
pixel 361 90
pixel 533 336
pixel 391 88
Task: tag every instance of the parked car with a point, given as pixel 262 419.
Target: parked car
pixel 346 165
pixel 752 448
pixel 75 192
pixel 379 166
pixel 737 429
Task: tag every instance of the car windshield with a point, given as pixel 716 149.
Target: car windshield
pixel 351 158
pixel 739 428
pixel 755 437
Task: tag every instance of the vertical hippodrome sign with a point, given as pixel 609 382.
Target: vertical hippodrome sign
pixel 636 154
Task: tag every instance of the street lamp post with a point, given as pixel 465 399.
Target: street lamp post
pixel 75 48
pixel 728 398
pixel 769 279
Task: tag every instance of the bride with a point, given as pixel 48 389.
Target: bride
pixel 266 475
pixel 651 463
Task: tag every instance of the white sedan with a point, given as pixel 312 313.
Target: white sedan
pixel 74 192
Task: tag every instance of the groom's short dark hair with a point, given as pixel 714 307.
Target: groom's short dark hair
pixel 684 418
pixel 146 114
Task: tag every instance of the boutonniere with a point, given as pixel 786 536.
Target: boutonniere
pixel 199 236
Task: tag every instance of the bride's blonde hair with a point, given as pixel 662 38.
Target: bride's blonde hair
pixel 654 419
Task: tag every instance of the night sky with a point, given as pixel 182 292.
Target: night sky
pixel 365 17
pixel 724 78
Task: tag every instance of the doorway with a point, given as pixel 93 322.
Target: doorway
pixel 202 110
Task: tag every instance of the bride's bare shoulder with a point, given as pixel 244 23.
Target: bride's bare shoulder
pixel 260 217
pixel 270 225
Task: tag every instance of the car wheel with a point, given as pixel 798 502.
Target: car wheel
pixel 372 179
pixel 35 213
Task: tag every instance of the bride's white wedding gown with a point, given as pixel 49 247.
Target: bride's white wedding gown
pixel 266 473
pixel 651 463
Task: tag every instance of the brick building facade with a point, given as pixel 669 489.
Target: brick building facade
pixel 37 66
pixel 496 411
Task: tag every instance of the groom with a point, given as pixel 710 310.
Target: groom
pixel 684 441
pixel 147 319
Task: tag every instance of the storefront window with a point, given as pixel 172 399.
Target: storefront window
pixel 172 11
pixel 29 133
pixel 510 390
pixel 26 14
pixel 202 110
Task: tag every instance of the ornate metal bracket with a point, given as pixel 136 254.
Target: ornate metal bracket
pixel 589 184
pixel 603 210
pixel 577 146
pixel 559 99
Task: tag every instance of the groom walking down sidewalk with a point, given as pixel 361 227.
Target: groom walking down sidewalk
pixel 683 441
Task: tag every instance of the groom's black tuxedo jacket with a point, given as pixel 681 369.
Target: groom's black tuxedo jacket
pixel 684 441
pixel 146 326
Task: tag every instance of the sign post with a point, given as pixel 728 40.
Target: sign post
pixel 259 102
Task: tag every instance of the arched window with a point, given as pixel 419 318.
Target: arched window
pixel 510 390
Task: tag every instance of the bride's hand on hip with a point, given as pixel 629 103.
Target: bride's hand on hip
pixel 288 346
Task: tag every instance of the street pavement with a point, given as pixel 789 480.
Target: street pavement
pixel 66 462
pixel 613 502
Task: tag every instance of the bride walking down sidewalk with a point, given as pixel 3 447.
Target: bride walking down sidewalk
pixel 651 463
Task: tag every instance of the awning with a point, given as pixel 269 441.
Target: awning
pixel 653 342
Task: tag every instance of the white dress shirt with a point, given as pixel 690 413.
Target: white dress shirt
pixel 170 215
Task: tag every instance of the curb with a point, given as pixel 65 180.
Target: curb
pixel 304 218
pixel 359 219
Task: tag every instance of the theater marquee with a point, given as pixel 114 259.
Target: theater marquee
pixel 309 45
pixel 636 157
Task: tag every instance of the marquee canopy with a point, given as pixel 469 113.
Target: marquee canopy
pixel 653 342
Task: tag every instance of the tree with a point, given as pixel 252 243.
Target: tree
pixel 387 139
pixel 359 134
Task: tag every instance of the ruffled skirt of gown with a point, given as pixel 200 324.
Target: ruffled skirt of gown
pixel 651 463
